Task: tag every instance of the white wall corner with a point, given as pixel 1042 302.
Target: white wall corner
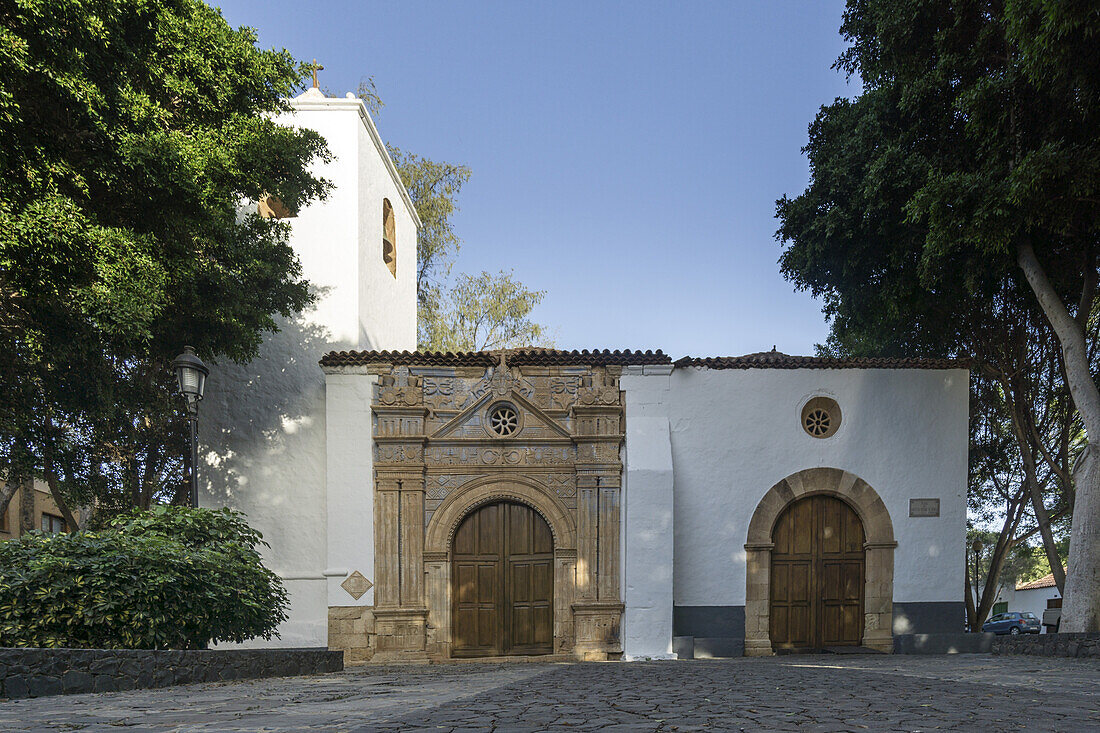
pixel 648 539
pixel 350 490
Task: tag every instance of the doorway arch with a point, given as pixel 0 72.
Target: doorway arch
pixel 502 561
pixel 439 541
pixel 878 545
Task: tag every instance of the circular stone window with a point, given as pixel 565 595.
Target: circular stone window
pixel 821 417
pixel 503 420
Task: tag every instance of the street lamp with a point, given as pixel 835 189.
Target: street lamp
pixel 191 375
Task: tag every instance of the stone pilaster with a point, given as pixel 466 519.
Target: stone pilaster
pixel 608 584
pixel 437 591
pixel 400 614
pixel 758 561
pixel 588 503
pixel 597 611
pixel 878 601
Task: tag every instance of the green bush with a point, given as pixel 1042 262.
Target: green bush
pixel 172 577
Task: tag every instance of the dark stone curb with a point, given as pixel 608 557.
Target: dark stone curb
pixel 1050 645
pixel 42 672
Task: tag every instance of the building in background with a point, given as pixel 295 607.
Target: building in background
pixel 1035 597
pixel 32 509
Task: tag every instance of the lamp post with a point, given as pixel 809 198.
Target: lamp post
pixel 191 375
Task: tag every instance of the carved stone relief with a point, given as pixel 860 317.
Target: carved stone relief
pixel 433 455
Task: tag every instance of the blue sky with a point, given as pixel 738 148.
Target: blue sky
pixel 626 157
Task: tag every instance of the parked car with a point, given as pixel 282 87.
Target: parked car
pixel 1013 623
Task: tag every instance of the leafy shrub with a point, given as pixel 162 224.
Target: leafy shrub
pixel 171 577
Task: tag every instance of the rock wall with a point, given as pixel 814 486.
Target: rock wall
pixel 1050 645
pixel 42 672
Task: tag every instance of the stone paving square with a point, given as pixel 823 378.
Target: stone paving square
pixel 795 693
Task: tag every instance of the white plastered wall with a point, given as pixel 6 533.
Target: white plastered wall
pixel 350 486
pixel 735 433
pixel 263 425
pixel 647 540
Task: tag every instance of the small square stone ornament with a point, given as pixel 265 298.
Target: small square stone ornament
pixel 356 585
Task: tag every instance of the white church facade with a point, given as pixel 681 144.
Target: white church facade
pixel 598 505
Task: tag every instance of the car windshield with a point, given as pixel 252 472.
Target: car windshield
pixel 1030 615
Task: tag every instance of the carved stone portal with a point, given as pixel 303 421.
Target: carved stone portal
pixel 450 439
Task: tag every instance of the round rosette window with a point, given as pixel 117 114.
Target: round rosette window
pixel 821 417
pixel 503 420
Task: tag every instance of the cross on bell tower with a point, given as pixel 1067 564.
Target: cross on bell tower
pixel 316 67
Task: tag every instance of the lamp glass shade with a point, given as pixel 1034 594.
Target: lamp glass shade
pixel 190 373
pixel 192 381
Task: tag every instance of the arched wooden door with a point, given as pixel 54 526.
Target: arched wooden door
pixel 503 576
pixel 817 576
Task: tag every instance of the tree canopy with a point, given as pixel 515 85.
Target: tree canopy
pixel 466 312
pixel 131 135
pixel 954 205
pixel 484 312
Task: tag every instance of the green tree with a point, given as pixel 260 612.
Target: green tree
pixel 954 205
pixel 433 187
pixel 470 312
pixel 130 135
pixel 486 312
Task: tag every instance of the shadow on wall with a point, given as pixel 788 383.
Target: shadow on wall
pixel 264 421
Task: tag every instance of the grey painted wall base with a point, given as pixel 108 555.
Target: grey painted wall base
pixel 1050 645
pixel 709 621
pixel 683 647
pixel 929 617
pixel 708 632
pixel 961 643
pixel 42 672
pixel 707 647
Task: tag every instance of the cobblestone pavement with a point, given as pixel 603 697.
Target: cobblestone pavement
pixel 806 693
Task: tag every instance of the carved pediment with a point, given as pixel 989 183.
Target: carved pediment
pixel 473 422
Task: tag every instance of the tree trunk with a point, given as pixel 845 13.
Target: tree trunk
pixel 1081 601
pixel 11 485
pixel 992 579
pixel 55 491
pixel 1020 418
pixel 971 608
pixel 1042 519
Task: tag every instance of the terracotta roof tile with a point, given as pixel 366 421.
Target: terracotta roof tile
pixel 556 357
pixel 606 357
pixel 779 360
pixel 1047 581
pixel 517 357
pixel 423 358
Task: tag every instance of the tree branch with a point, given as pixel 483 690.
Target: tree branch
pixel 1070 336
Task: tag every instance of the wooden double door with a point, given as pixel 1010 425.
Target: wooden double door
pixel 817 576
pixel 503 583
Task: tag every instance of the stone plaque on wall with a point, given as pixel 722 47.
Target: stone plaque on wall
pixel 924 507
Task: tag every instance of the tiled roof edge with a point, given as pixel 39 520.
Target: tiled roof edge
pixel 432 358
pixel 1047 581
pixel 597 357
pixel 518 357
pixel 783 361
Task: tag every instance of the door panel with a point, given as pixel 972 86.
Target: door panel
pixel 503 577
pixel 817 576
